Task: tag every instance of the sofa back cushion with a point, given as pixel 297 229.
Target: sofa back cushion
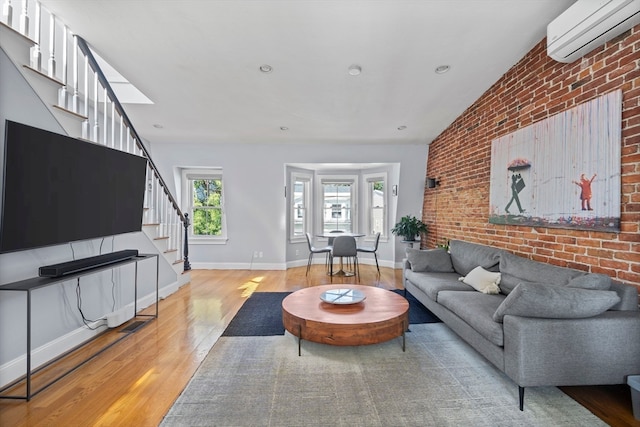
pixel 595 281
pixel 430 260
pixel 466 256
pixel 628 294
pixel 516 269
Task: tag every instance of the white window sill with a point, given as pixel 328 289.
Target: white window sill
pixel 208 240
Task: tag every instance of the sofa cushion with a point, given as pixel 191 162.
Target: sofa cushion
pixel 434 260
pixel 516 269
pixel 476 310
pixel 600 282
pixel 432 283
pixel 530 299
pixel 466 256
pixel 482 280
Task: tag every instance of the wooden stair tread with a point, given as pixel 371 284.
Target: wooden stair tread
pixel 41 74
pixel 72 113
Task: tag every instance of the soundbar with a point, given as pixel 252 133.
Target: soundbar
pixel 75 266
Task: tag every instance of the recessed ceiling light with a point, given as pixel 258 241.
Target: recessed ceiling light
pixel 442 69
pixel 403 127
pixel 355 70
pixel 284 128
pixel 266 68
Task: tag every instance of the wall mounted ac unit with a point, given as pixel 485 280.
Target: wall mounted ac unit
pixel 587 24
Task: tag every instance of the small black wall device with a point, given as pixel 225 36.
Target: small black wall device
pixel 64 268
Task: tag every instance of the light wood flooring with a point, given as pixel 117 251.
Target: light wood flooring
pixel 136 381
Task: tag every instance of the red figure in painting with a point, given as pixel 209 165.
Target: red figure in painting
pixel 585 193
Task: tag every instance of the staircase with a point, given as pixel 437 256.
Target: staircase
pixel 63 71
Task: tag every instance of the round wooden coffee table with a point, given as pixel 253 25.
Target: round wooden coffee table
pixel 382 316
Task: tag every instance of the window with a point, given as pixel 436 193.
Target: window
pixel 376 204
pixel 338 207
pixel 300 206
pixel 204 199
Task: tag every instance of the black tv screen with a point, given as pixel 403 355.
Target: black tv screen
pixel 58 189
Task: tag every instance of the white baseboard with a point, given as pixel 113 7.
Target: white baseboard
pixel 17 368
pixel 237 266
pixel 289 264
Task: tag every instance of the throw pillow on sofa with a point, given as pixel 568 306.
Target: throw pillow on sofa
pixel 530 299
pixel 482 280
pixel 430 260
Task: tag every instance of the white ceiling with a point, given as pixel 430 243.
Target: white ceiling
pixel 198 61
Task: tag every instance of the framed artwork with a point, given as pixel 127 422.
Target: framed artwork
pixel 561 172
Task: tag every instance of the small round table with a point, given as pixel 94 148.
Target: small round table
pixel 382 316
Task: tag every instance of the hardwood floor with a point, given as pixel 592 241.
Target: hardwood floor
pixel 136 381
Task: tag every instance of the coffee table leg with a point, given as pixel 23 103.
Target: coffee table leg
pixel 404 338
pixel 299 339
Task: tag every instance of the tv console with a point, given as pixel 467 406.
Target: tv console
pixel 78 265
pixel 29 285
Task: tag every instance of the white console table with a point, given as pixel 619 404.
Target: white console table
pixel 29 285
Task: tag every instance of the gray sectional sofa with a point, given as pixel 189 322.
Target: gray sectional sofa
pixel 545 326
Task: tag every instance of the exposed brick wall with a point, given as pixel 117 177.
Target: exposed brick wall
pixel 535 88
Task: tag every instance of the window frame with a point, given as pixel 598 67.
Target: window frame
pixel 368 179
pixel 189 175
pixel 352 180
pixel 307 179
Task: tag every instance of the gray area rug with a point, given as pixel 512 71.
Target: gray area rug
pixel 438 381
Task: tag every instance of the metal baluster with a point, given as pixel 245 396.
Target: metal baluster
pixel 51 72
pixel 187 265
pixel 7 13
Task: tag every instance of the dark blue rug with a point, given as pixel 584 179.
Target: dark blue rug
pixel 261 315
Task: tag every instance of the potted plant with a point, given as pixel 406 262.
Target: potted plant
pixel 409 227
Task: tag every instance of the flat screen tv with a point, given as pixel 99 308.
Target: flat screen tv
pixel 57 189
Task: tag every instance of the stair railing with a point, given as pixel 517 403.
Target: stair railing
pixel 88 95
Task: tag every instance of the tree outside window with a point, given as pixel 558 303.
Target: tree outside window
pixel 202 195
pixel 207 207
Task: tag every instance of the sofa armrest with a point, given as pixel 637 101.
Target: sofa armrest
pixel 552 352
pixel 405 265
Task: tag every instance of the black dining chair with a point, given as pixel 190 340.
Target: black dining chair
pixel 371 250
pixel 313 250
pixel 345 246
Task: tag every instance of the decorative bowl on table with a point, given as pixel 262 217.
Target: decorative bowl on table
pixel 342 296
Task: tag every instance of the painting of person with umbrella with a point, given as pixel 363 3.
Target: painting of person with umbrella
pixel 517 182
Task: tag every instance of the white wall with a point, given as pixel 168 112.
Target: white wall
pixel 254 180
pixel 57 323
